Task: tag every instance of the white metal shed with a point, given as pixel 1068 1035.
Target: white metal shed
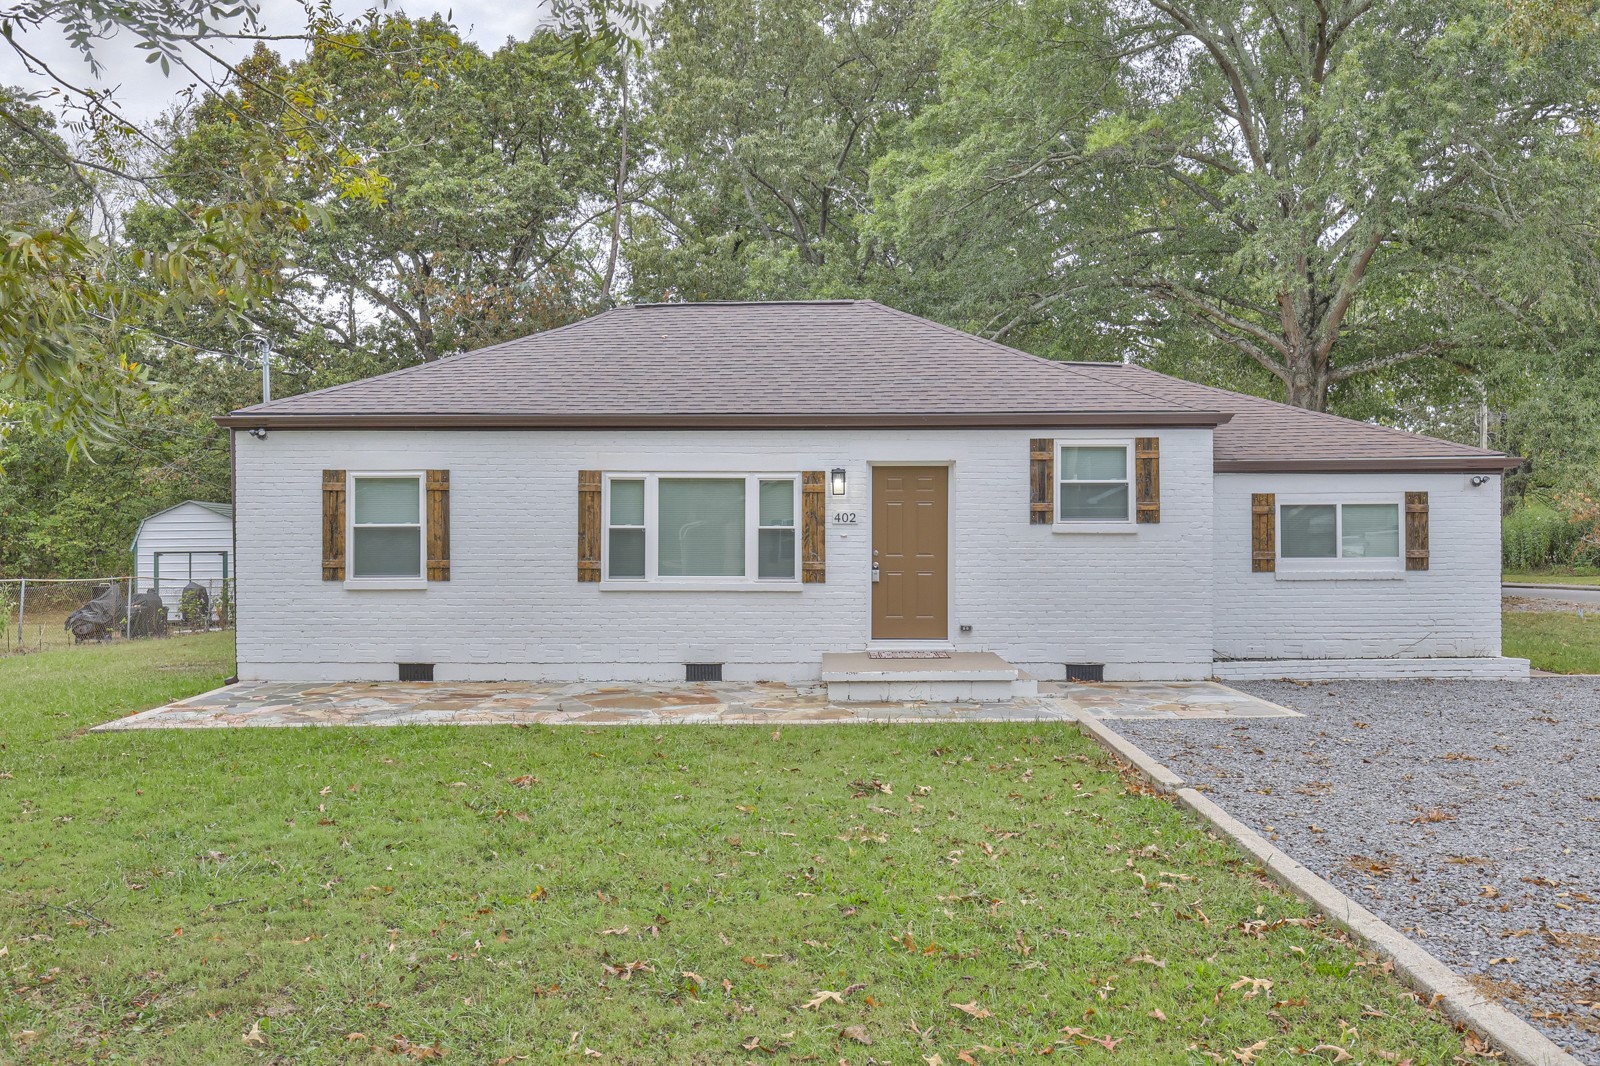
pixel 190 541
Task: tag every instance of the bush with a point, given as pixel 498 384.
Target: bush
pixel 1536 536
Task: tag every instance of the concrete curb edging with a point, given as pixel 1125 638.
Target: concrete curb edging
pixel 1521 1042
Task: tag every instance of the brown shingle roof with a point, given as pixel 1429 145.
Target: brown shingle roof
pixel 829 363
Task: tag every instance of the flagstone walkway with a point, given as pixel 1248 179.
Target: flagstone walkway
pixel 389 703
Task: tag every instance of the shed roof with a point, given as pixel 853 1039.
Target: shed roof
pixel 825 364
pixel 221 510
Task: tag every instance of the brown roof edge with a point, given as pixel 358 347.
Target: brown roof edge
pixel 754 420
pixel 1396 464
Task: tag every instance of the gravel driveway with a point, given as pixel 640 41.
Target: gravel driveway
pixel 1465 813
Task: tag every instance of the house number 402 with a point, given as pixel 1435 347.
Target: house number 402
pixel 844 518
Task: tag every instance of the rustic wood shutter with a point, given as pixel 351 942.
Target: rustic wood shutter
pixel 438 525
pixel 1263 532
pixel 1416 531
pixel 1147 478
pixel 814 527
pixel 333 496
pixel 1041 481
pixel 589 525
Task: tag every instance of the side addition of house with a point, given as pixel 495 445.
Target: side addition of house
pixel 739 490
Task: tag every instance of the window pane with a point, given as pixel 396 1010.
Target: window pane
pixel 1094 464
pixel 381 552
pixel 1308 531
pixel 777 553
pixel 386 500
pixel 625 557
pixel 1372 530
pixel 627 503
pixel 702 527
pixel 777 503
pixel 1083 501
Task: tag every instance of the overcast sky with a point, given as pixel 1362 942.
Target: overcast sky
pixel 144 93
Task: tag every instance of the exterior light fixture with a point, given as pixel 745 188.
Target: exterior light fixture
pixel 259 433
pixel 837 480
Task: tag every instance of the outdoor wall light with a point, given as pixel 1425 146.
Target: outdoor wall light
pixel 837 479
pixel 1480 480
pixel 259 433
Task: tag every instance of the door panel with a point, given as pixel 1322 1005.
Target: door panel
pixel 910 544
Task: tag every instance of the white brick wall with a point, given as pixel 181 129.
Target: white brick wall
pixel 1450 610
pixel 1140 602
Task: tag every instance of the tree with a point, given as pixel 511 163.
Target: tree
pixel 766 118
pixel 1319 186
pixel 493 173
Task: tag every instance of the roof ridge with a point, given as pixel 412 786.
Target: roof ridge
pixel 1473 448
pixel 661 304
pixel 1061 365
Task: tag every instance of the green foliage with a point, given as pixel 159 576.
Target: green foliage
pixel 1536 536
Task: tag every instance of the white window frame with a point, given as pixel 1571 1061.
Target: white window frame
pixel 652 580
pixel 350 527
pixel 1093 525
pixel 1339 563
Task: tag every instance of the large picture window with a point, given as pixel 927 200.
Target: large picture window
pixel 386 526
pixel 691 528
pixel 1094 484
pixel 1339 531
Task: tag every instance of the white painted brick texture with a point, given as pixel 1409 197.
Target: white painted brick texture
pixel 1451 610
pixel 1140 602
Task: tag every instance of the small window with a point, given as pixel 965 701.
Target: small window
pixel 1339 531
pixel 720 529
pixel 386 527
pixel 1094 484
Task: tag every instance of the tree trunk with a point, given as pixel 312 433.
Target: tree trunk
pixel 1308 383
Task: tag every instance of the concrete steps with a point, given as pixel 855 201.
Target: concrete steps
pixel 963 677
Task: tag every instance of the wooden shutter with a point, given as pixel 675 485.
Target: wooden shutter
pixel 438 525
pixel 1263 532
pixel 589 525
pixel 1147 478
pixel 814 527
pixel 1416 531
pixel 1041 481
pixel 333 504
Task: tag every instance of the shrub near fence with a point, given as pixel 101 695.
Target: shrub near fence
pixel 1538 537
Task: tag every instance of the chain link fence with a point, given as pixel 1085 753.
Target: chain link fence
pixel 42 614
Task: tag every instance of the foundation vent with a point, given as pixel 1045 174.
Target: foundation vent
pixel 1086 671
pixel 416 671
pixel 702 671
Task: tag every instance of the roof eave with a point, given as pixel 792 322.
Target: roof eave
pixel 1395 464
pixel 1178 419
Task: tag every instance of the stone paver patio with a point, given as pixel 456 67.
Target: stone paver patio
pixel 388 703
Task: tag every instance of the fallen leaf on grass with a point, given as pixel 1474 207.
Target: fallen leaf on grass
pixel 973 1009
pixel 627 969
pixel 1339 1053
pixel 620 930
pixel 1247 1055
pixel 1157 1015
pixel 254 1038
pixel 1257 985
pixel 1150 960
pixel 524 780
pixel 858 1033
pixel 822 996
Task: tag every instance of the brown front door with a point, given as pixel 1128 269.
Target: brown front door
pixel 910 547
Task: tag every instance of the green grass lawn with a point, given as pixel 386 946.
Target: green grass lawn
pixel 1583 575
pixel 939 894
pixel 1558 641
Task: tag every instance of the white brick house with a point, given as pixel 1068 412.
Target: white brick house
pixel 750 487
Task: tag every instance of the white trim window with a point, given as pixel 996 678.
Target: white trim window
pixel 694 529
pixel 1347 533
pixel 1094 483
pixel 386 528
